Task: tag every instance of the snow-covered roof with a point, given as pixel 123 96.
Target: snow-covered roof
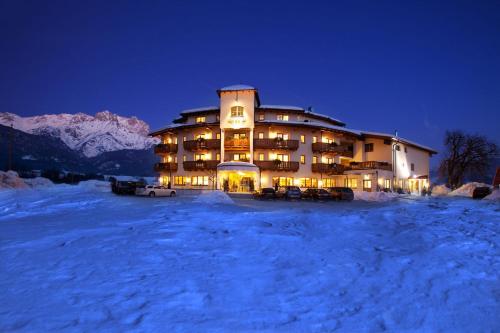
pixel 281 107
pixel 392 137
pixel 200 109
pixel 237 87
pixel 312 124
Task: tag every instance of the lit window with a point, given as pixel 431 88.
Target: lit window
pixel 308 182
pixel 283 117
pixel 283 181
pixel 237 111
pixel 315 159
pixel 315 139
pixel 179 180
pixel 199 180
pixel 367 184
pixel 351 182
pixel 328 182
pixel 368 147
pixel 303 159
pixel 303 139
pixel 175 159
pixel 217 157
pixel 199 157
pixel 200 119
pixel 184 158
pixel 282 157
pixel 261 156
pixel 201 136
pixel 175 140
pixel 184 138
pixel 217 136
pixel 387 183
pixel 261 135
pixel 262 116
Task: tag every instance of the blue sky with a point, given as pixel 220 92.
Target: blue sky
pixel 418 67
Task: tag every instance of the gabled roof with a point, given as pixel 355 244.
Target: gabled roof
pixel 240 87
pixel 298 109
pixel 398 139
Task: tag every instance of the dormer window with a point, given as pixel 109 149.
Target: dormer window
pixel 201 119
pixel 283 117
pixel 237 111
pixel 262 116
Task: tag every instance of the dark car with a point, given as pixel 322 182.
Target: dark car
pixel 341 193
pixel 125 187
pixel 481 192
pixel 265 193
pixel 316 194
pixel 289 192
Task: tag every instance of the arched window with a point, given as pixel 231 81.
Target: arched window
pixel 237 111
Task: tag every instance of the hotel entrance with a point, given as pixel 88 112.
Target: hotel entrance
pixel 237 177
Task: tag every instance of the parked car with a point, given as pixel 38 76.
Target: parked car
pixel 155 191
pixel 265 193
pixel 316 194
pixel 289 192
pixel 341 193
pixel 125 187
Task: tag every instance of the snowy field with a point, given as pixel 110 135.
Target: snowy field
pixel 79 259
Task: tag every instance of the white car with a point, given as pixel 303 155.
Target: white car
pixel 155 191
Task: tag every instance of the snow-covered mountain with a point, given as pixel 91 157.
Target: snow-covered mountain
pixel 90 135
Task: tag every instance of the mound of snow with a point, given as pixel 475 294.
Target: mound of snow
pixel 10 179
pixel 494 196
pixel 38 182
pixel 467 189
pixel 440 190
pixel 95 185
pixel 213 197
pixel 374 196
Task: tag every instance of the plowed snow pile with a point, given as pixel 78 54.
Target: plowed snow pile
pixel 374 196
pixel 11 180
pixel 467 189
pixel 213 197
pixel 494 196
pixel 440 190
pixel 38 182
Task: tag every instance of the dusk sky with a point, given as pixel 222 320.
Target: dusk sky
pixel 419 68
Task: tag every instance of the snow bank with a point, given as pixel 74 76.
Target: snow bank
pixel 95 185
pixel 374 196
pixel 467 189
pixel 10 180
pixel 213 197
pixel 494 196
pixel 440 190
pixel 38 182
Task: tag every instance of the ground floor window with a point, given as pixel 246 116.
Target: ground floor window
pixel 308 182
pixel 329 182
pixel 367 184
pixel 351 182
pixel 180 180
pixel 199 180
pixel 283 181
pixel 387 183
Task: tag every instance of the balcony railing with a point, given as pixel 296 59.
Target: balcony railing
pixel 341 149
pixel 200 165
pixel 277 165
pixel 166 148
pixel 329 168
pixel 237 144
pixel 370 165
pixel 275 144
pixel 201 144
pixel 165 167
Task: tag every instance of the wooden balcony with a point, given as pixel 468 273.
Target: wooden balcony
pixel 370 165
pixel 342 149
pixel 162 167
pixel 329 168
pixel 165 148
pixel 201 144
pixel 277 165
pixel 237 144
pixel 275 144
pixel 200 165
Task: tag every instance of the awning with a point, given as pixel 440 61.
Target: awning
pixel 237 166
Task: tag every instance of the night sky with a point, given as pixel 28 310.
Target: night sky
pixel 419 68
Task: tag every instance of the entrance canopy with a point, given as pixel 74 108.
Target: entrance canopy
pixel 237 176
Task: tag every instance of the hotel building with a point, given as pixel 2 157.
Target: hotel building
pixel 242 145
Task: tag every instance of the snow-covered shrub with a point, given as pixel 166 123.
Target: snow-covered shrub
pixel 10 179
pixel 494 196
pixel 440 190
pixel 466 190
pixel 38 182
pixel 374 196
pixel 213 197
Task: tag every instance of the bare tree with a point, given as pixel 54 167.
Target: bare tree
pixel 466 155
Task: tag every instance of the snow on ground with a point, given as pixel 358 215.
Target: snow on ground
pixel 213 198
pixel 10 179
pixel 466 190
pixel 374 196
pixel 78 259
pixel 494 196
pixel 440 190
